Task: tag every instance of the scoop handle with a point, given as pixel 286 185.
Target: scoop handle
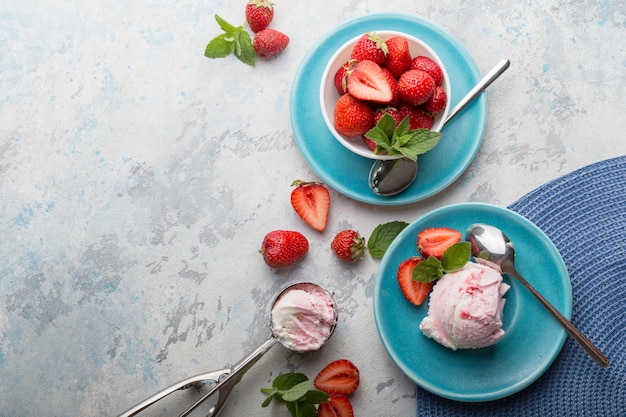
pixel 576 334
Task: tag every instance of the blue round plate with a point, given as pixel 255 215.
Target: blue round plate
pixel 532 339
pixel 347 172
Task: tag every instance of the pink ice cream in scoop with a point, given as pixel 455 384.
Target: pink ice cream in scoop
pixel 303 317
pixel 465 308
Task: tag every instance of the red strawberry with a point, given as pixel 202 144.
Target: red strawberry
pixel 311 201
pixel 393 84
pixel 399 58
pixel 337 406
pixel 391 111
pixel 417 118
pixel 352 117
pixel 341 77
pixel 269 42
pixel 259 14
pixel 370 47
pixel 338 377
pixel 282 248
pixel 348 245
pixel 415 87
pixel 428 65
pixel 414 291
pixel 367 82
pixel 437 102
pixel 371 145
pixel 435 240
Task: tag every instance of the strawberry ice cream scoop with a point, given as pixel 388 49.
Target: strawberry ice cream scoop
pixel 465 308
pixel 304 317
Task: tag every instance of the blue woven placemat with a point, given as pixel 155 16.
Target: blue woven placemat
pixel 584 214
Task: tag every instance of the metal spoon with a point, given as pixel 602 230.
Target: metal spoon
pixel 391 177
pixel 490 239
pixel 222 381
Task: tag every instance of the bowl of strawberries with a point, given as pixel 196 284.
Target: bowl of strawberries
pixel 384 95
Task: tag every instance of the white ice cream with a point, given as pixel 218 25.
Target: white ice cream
pixel 465 308
pixel 303 317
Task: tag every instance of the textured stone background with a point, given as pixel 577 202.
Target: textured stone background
pixel 138 178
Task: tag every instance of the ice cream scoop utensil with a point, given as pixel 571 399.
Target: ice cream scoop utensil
pixel 391 177
pixel 491 241
pixel 221 382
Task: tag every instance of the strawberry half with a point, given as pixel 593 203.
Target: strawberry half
pixel 414 291
pixel 368 82
pixel 435 240
pixel 338 377
pixel 311 201
pixel 336 406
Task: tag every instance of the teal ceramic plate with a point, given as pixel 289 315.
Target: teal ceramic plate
pixel 533 337
pixel 347 172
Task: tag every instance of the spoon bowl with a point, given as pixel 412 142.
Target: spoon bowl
pixel 390 177
pixel 491 244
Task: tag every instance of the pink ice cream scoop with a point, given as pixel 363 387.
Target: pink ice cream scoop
pixel 303 317
pixel 465 308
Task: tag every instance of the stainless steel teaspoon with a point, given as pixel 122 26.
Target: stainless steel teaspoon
pixel 391 177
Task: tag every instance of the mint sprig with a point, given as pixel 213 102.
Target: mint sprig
pixel 234 40
pixel 453 259
pixel 294 390
pixel 400 139
pixel 382 236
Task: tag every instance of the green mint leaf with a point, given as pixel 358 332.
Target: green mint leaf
pixel 224 25
pixel 286 381
pixel 218 47
pixel 456 256
pixel 387 124
pixel 403 127
pixel 382 236
pixel 268 400
pixel 244 51
pixel 316 396
pixel 428 270
pixel 297 391
pixel 305 409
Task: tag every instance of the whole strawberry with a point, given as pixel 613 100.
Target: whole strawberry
pixel 399 57
pixel 348 245
pixel 418 119
pixel 437 102
pixel 352 117
pixel 415 87
pixel 281 248
pixel 341 76
pixel 370 47
pixel 428 65
pixel 269 42
pixel 259 14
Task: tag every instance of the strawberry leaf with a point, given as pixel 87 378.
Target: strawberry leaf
pixel 382 236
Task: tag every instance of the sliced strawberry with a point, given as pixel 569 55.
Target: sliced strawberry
pixel 435 240
pixel 338 377
pixel 336 406
pixel 414 291
pixel 311 201
pixel 368 82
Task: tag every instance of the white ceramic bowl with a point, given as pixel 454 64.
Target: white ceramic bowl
pixel 329 95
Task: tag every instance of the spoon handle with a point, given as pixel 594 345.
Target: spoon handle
pixel 486 81
pixel 576 334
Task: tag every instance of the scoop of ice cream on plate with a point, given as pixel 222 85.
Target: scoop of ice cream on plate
pixel 465 308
